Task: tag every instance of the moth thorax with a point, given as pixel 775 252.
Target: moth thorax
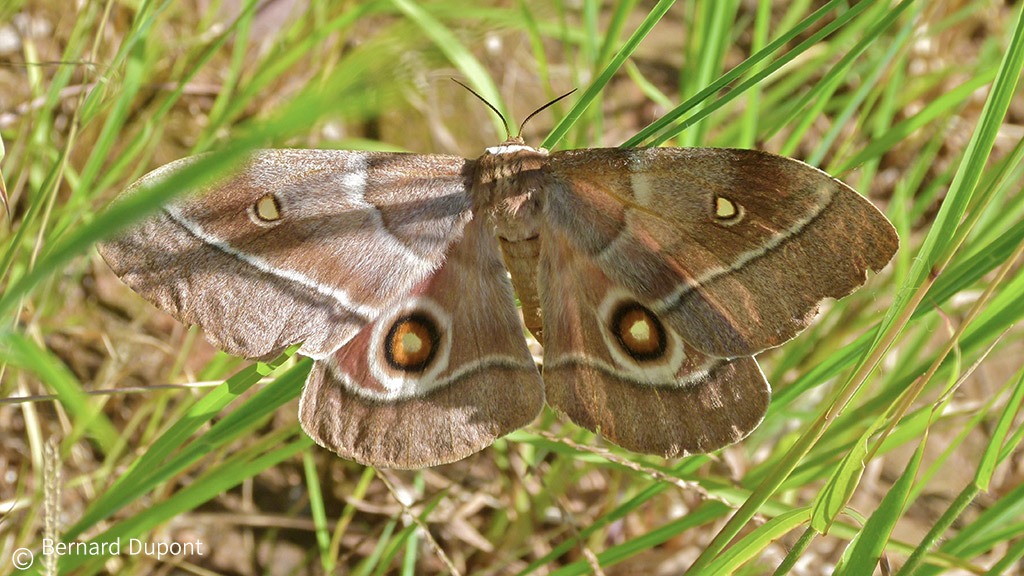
pixel 505 172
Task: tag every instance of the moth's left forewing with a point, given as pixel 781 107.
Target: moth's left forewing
pixel 735 248
pixel 295 246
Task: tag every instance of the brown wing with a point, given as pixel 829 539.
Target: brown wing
pixel 616 367
pixel 442 374
pixel 298 246
pixel 733 248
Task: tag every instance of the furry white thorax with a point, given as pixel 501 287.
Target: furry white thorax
pixel 512 148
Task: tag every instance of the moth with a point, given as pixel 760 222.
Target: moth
pixel 651 277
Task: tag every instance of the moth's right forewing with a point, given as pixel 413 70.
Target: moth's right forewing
pixel 297 246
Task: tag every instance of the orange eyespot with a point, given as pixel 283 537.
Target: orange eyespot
pixel 412 343
pixel 638 331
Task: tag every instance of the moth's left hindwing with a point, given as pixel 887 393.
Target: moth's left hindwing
pixel 442 374
pixel 297 246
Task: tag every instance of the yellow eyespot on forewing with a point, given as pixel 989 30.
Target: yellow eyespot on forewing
pixel 638 331
pixel 412 343
pixel 267 208
pixel 727 212
pixel 725 209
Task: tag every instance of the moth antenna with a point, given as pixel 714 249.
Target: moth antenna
pixel 541 109
pixel 508 133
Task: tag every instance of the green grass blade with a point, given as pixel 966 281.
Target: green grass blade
pixel 150 468
pixel 939 107
pixel 708 49
pixel 834 496
pixel 602 79
pixel 460 56
pixel 993 452
pixel 867 548
pixel 226 476
pixel 760 538
pixel 647 135
pixel 316 504
pixel 936 246
pixel 19 351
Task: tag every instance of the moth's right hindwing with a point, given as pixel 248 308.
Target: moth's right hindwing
pixel 297 246
pixel 616 367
